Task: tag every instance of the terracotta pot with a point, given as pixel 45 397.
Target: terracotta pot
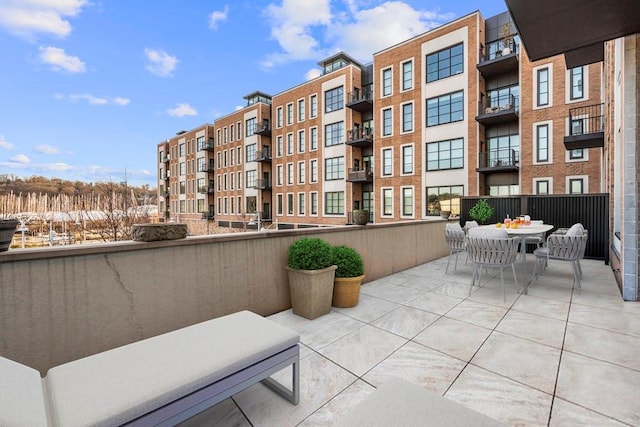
pixel 346 291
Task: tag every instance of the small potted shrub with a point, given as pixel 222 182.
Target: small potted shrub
pixel 311 271
pixel 481 211
pixel 348 278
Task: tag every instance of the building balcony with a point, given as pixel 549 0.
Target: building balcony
pixel 360 175
pixel 361 99
pixel 360 137
pixel 263 128
pixel 207 146
pixel 496 111
pixel 167 194
pixel 586 127
pixel 495 161
pixel 264 155
pixel 208 216
pixel 498 58
pixel 207 189
pixel 262 184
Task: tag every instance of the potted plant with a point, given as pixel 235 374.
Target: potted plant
pixel 481 211
pixel 311 271
pixel 348 278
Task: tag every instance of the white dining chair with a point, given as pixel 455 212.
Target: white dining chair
pixel 456 241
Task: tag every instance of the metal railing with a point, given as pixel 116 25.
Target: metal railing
pixel 363 94
pixel 586 120
pixel 499 158
pixel 498 104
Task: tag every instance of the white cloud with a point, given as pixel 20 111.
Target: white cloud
pixel 218 16
pixel 312 74
pixel 58 167
pixel 308 30
pixel 20 158
pixel 47 149
pixel 160 62
pixel 59 60
pixel 5 144
pixel 93 100
pixel 26 18
pixel 181 110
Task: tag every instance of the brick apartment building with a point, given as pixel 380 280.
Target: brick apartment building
pixel 459 110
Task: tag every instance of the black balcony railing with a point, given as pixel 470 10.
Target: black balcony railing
pixel 360 137
pixel 586 127
pixel 262 184
pixel 360 175
pixel 499 57
pixel 263 128
pixel 502 160
pixel 361 99
pixel 206 145
pixel 264 155
pixel 502 109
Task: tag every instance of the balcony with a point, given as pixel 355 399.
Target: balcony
pixel 495 161
pixel 498 58
pixel 361 99
pixel 496 111
pixel 262 184
pixel 208 216
pixel 167 194
pixel 207 146
pixel 360 175
pixel 360 137
pixel 263 128
pixel 264 155
pixel 586 127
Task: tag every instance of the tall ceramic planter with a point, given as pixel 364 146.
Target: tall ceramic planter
pixel 7 229
pixel 360 216
pixel 346 291
pixel 311 291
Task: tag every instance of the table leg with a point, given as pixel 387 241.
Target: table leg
pixel 523 250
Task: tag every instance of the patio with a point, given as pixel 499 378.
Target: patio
pixel 551 357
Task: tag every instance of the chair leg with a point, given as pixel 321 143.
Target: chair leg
pixel 576 275
pixel 579 268
pixel 456 264
pixel 504 290
pixel 448 261
pixel 513 269
pixel 473 278
pixel 534 276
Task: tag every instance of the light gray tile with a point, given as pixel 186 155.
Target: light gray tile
pixel 327 329
pixel 339 406
pixel 608 346
pixel 543 330
pixel 566 414
pixel 478 313
pixel 396 293
pixel 368 309
pixel 500 398
pixel 453 289
pixel 543 307
pixel 495 296
pixel 420 365
pixel 453 337
pixel 524 361
pixel 609 302
pixel 363 349
pixel 605 388
pixel 435 303
pixel 611 320
pixel 406 321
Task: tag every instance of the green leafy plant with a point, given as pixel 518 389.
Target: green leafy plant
pixel 481 211
pixel 310 253
pixel 349 262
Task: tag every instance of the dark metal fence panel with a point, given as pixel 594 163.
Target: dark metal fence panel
pixel 564 210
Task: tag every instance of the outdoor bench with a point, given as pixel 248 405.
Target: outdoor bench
pixel 161 380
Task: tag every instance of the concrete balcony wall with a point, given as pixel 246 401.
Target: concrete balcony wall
pixel 62 303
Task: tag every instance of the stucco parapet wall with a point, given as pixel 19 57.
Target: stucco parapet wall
pixel 14 255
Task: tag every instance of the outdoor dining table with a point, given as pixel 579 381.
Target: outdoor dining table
pixel 523 231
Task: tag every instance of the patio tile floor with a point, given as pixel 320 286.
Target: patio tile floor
pixel 551 357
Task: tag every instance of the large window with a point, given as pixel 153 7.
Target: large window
pixel 445 109
pixel 445 63
pixel 542 87
pixel 448 154
pixel 444 198
pixel 407 117
pixel 503 150
pixel 250 127
pixel 387 162
pixel 407 159
pixel 542 186
pixel 407 201
pixel 577 82
pixel 387 122
pixel 387 201
pixel 576 186
pixel 407 75
pixel 504 98
pixel 334 168
pixel 251 152
pixel 542 143
pixel 387 79
pixel 250 181
pixel 334 202
pixel 334 134
pixel 334 99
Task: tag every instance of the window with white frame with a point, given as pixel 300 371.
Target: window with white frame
pixel 290 173
pixel 334 99
pixel 387 82
pixel 250 181
pixel 334 168
pixel 577 184
pixel 279 175
pixel 387 162
pixel 577 154
pixel 542 186
pixel 232 157
pixel 334 134
pixel 542 143
pixel 289 203
pixel 445 109
pixel 302 172
pixel 407 159
pixel 407 75
pixel 313 138
pixel 301 112
pixel 445 63
pixel 279 208
pixel 301 141
pixel 334 203
pixel 239 179
pixel 407 201
pixel 313 106
pixel 279 147
pixel 313 202
pixel 290 113
pixel 313 172
pixel 576 76
pixel 542 87
pixel 279 117
pixel 407 117
pixel 250 127
pixel 289 143
pixel 239 149
pixel 387 202
pixel 301 204
pixel 387 122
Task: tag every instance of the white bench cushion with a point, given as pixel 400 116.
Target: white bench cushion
pixel 119 385
pixel 22 400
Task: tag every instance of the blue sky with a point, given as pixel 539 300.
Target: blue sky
pixel 88 88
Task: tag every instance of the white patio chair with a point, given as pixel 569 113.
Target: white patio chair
pixel 456 240
pixel 536 239
pixel 568 247
pixel 492 248
pixel 469 225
